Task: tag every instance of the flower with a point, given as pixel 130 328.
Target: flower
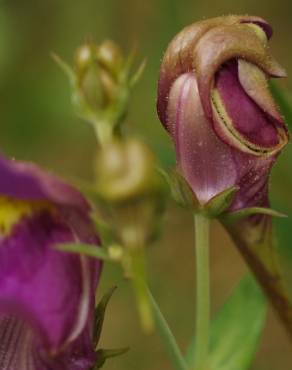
pixel 47 297
pixel 214 100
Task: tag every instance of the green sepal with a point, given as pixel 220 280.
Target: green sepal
pixel 180 190
pixel 184 195
pixel 100 314
pixel 66 68
pixel 246 212
pixel 104 354
pixel 138 74
pixel 236 329
pixel 220 202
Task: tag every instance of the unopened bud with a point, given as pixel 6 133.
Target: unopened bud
pixel 125 171
pixel 110 57
pixel 97 71
pixel 132 191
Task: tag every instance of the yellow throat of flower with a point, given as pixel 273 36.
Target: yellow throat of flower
pixel 13 210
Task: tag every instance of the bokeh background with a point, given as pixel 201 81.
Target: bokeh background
pixel 38 123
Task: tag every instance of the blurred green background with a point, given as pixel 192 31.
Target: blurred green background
pixel 38 123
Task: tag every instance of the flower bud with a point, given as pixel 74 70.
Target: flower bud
pixel 126 171
pixel 97 69
pixel 131 189
pixel 213 99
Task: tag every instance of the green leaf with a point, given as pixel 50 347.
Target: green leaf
pixel 167 336
pixel 88 250
pixel 236 329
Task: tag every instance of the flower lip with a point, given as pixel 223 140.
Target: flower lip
pixel 239 120
pixel 27 181
pixel 240 42
pixel 196 48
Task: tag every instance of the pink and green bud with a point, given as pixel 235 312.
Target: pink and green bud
pixel 214 100
pixel 47 297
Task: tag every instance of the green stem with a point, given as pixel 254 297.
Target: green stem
pixel 167 336
pixel 103 131
pixel 138 270
pixel 203 291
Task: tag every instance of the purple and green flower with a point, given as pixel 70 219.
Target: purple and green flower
pixel 47 297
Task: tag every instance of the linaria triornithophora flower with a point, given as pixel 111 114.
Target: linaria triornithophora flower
pixel 213 99
pixel 47 297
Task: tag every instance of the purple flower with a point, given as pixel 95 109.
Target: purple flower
pixel 213 99
pixel 47 297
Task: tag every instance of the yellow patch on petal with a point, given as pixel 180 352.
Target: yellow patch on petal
pixel 13 210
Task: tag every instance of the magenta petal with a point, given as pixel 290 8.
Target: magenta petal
pixel 38 282
pixel 24 180
pixel 204 160
pixel 50 292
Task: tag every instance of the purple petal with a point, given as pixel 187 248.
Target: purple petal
pixel 181 54
pixel 208 163
pixel 253 175
pixel 50 291
pixel 238 41
pixel 255 84
pixel 24 180
pixel 247 118
pixel 20 350
pixel 205 161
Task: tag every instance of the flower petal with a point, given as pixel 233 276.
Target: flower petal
pixel 204 160
pixel 181 55
pixel 240 41
pixel 239 120
pixel 42 286
pixel 24 180
pixel 246 116
pixel 20 350
pixel 255 84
